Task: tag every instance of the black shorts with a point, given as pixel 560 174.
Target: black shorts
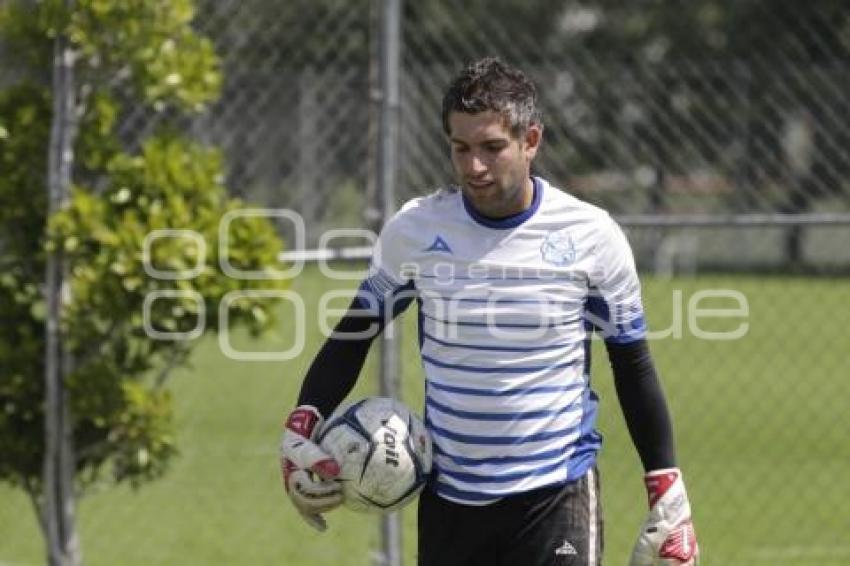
pixel 559 525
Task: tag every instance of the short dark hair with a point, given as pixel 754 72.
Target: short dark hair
pixel 491 84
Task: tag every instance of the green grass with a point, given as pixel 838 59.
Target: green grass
pixel 761 426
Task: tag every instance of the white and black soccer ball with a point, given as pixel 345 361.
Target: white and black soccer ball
pixel 383 450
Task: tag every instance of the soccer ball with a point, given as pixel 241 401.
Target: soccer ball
pixel 383 450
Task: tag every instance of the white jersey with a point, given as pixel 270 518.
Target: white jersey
pixel 505 313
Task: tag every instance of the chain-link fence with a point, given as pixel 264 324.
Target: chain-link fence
pixel 649 107
pixel 690 111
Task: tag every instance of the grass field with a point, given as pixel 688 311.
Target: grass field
pixel 762 426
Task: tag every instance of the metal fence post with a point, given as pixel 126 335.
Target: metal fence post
pixel 389 52
pixel 58 474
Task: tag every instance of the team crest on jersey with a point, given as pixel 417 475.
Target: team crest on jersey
pixel 558 248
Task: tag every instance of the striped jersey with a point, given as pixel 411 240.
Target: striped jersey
pixel 506 311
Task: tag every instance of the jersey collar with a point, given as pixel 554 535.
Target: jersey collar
pixel 509 221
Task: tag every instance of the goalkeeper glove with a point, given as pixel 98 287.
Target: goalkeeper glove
pixel 667 536
pixel 308 471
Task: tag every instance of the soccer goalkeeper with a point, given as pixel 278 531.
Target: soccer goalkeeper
pixel 512 276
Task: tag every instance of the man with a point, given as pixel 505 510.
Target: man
pixel 512 276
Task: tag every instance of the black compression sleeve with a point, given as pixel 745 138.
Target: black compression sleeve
pixel 337 366
pixel 643 403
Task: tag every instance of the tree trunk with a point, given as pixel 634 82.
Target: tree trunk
pixel 63 547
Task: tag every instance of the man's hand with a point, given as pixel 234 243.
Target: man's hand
pixel 308 471
pixel 667 537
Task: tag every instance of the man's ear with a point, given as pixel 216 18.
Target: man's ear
pixel 533 138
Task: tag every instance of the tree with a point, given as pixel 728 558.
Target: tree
pixel 125 54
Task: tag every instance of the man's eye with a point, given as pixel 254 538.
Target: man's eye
pixel 496 148
pixel 460 149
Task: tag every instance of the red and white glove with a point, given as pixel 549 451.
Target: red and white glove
pixel 308 471
pixel 667 537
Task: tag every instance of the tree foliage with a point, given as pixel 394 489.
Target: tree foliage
pixel 129 53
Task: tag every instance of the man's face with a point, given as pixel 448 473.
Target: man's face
pixel 492 166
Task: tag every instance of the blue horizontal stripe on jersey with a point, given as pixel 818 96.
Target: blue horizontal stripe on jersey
pixel 630 332
pixel 452 277
pixel 494 301
pixel 502 324
pixel 464 495
pixel 502 478
pixel 597 316
pixel 500 440
pixel 476 369
pixel 625 338
pixel 505 392
pixel 381 284
pixel 502 416
pixel 495 348
pixel 525 458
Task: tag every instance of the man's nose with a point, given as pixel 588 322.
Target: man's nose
pixel 476 165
